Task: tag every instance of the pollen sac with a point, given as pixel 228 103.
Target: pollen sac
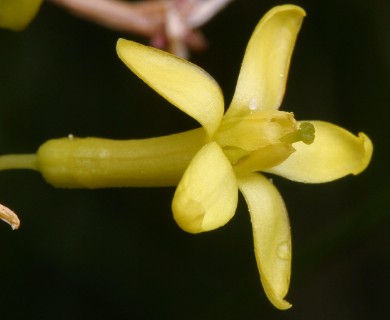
pixel 307 132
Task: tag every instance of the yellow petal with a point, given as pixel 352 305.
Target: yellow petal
pixel 17 14
pixel 262 80
pixel 206 197
pixel 185 85
pixel 271 233
pixel 334 153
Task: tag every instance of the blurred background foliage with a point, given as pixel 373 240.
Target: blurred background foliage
pixel 117 253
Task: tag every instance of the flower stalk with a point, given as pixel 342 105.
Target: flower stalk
pixel 18 161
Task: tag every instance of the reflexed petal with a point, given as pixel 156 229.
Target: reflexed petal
pixel 262 80
pixel 334 153
pixel 17 14
pixel 206 197
pixel 271 233
pixel 185 85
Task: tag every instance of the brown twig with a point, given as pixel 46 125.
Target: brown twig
pixel 9 216
pixel 170 24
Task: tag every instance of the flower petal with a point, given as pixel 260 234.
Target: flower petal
pixel 206 197
pixel 334 153
pixel 185 85
pixel 17 14
pixel 271 233
pixel 262 80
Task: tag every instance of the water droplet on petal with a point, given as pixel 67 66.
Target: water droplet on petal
pixel 284 250
pixel 253 104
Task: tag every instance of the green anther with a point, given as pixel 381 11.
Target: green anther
pixel 307 132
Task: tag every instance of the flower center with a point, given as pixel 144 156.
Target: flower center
pixel 261 140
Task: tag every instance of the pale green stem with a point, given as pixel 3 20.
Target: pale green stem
pixel 18 161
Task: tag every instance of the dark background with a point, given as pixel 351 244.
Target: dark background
pixel 117 253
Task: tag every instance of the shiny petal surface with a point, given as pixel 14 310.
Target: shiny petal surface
pixel 185 85
pixel 334 153
pixel 262 80
pixel 17 14
pixel 206 197
pixel 271 233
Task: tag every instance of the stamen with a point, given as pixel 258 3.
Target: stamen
pixel 305 133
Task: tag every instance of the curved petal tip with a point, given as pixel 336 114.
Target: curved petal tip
pixel 185 85
pixel 262 80
pixel 367 151
pixel 206 197
pixel 334 154
pixel 271 235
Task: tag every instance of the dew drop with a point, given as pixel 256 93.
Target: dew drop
pixel 252 104
pixel 284 251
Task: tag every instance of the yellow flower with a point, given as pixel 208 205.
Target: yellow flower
pixel 17 14
pixel 252 136
pixel 210 164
